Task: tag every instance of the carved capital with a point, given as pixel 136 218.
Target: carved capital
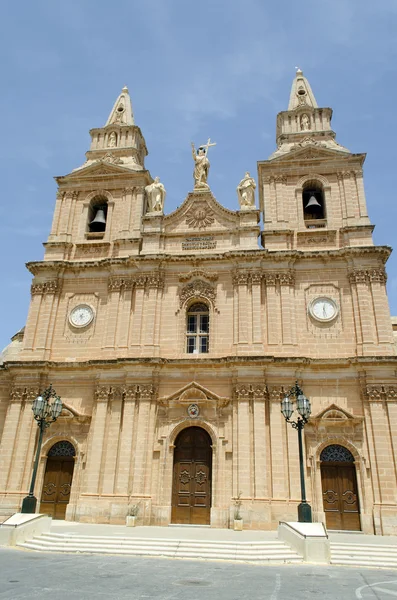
pixel 197 289
pixel 240 278
pixel 374 392
pixel 275 393
pixel 155 280
pixel 17 393
pixel 287 278
pixel 358 276
pixel 270 278
pixel 377 274
pixel 244 391
pixel 256 277
pixel 198 273
pixel 47 287
pixel 147 391
pixel 130 392
pixel 102 392
pixel 31 393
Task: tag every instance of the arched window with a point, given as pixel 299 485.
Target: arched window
pixel 313 205
pixel 63 448
pixel 197 329
pixel 336 453
pixel 97 215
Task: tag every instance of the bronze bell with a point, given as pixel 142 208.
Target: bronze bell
pixel 99 221
pixel 313 204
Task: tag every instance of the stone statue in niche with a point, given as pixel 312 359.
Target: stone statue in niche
pixel 112 140
pixel 155 193
pixel 305 122
pixel 201 166
pixel 246 191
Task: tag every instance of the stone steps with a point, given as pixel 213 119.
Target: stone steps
pixel 269 552
pixel 365 555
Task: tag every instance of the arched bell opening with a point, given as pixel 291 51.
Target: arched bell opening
pixel 97 215
pixel 313 202
pixel 339 487
pixel 58 479
pixel 192 475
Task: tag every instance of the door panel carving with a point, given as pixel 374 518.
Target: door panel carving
pixel 340 498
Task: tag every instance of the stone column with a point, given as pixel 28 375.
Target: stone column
pixel 153 282
pixel 126 437
pixel 97 436
pixel 124 314
pixel 137 316
pixel 10 429
pixel 57 213
pixel 259 393
pixel 111 449
pixel 43 332
pixel 280 181
pixel 377 397
pixel 362 204
pixel 257 309
pixel 145 394
pixel 115 284
pixel 269 200
pixel 240 279
pixel 37 290
pixel 377 278
pixel 127 211
pixel 278 457
pixel 244 440
pixel 364 320
pixel 342 197
pixel 272 310
pixel 21 456
pixel 287 283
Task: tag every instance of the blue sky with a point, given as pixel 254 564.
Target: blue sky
pixel 210 68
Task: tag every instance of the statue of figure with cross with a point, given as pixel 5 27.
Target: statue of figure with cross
pixel 201 166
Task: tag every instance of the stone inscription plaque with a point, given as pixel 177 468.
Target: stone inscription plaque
pixel 199 243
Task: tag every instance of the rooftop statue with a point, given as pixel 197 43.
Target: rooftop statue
pixel 246 191
pixel 202 165
pixel 155 196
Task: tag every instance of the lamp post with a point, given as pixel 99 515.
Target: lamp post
pixel 45 414
pixel 304 409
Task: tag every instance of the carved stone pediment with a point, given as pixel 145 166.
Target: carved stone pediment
pixel 197 289
pixel 334 415
pixel 200 214
pixel 106 166
pixel 194 393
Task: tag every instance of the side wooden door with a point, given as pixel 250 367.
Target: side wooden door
pixel 58 479
pixel 340 498
pixel 191 492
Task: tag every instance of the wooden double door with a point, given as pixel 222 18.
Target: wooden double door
pixel 191 491
pixel 57 486
pixel 340 498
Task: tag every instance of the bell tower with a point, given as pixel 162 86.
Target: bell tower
pixel 311 188
pixel 100 204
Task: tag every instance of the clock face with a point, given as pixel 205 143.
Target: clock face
pixel 81 315
pixel 323 309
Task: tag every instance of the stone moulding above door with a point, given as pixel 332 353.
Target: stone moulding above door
pixel 194 392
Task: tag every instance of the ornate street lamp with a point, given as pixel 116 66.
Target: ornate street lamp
pixel 304 409
pixel 45 414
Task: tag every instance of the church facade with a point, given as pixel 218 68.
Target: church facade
pixel 172 339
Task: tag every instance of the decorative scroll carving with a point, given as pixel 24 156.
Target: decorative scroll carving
pixel 380 392
pixel 130 392
pixel 256 277
pixel 155 281
pixel 377 274
pixel 112 159
pixel 47 287
pixel 198 273
pixel 197 289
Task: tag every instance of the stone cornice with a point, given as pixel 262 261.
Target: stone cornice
pixel 156 362
pixel 261 254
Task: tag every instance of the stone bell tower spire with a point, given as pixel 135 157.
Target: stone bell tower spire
pixel 120 141
pixel 122 110
pixel 304 123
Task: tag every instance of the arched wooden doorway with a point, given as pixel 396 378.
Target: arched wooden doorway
pixel 58 480
pixel 191 490
pixel 339 483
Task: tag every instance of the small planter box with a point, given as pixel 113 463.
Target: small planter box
pixel 238 524
pixel 130 521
